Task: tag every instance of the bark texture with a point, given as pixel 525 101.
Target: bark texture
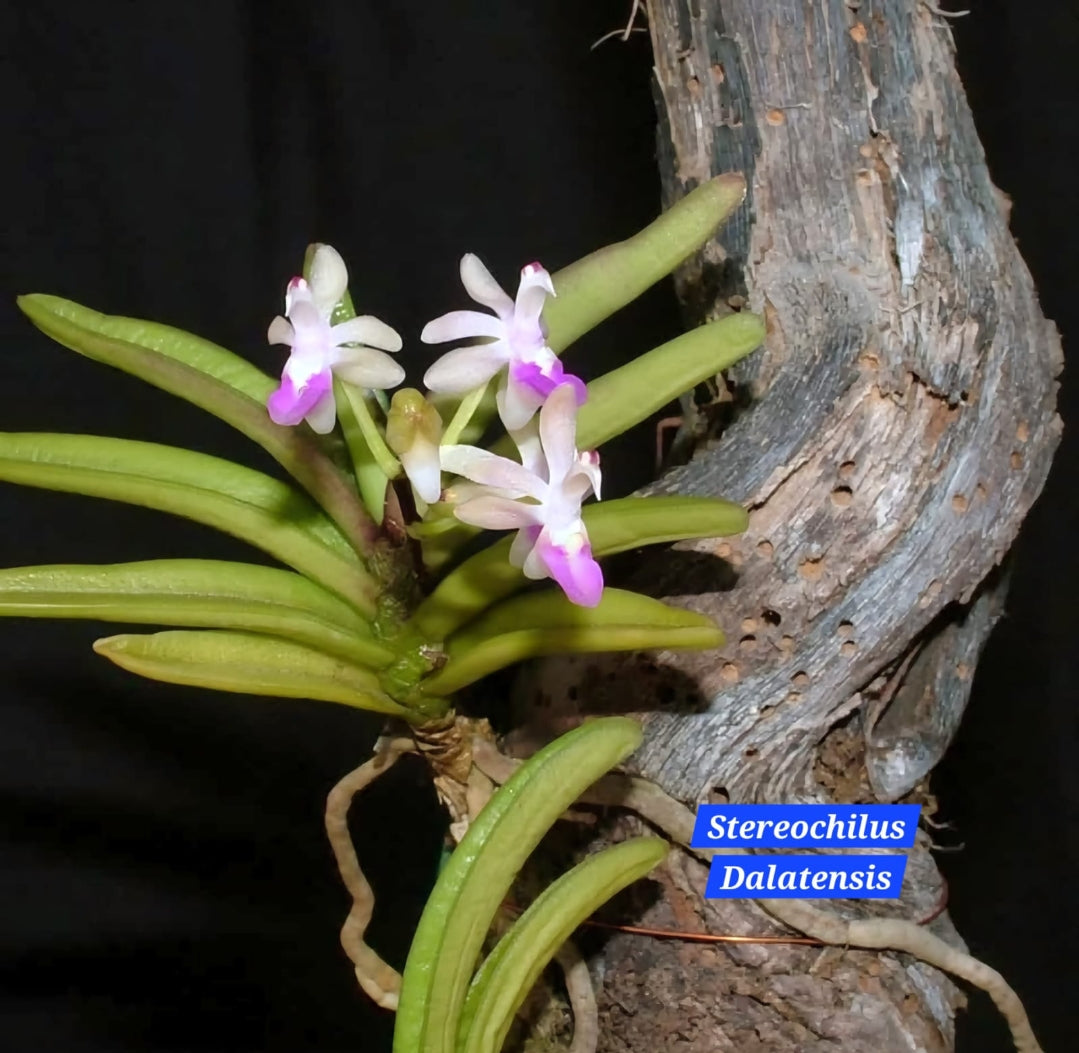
pixel 889 439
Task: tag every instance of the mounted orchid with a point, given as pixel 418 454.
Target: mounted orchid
pixel 382 592
pixel 381 606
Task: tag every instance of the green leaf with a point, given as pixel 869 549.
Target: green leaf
pixel 613 526
pixel 247 664
pixel 66 321
pixel 626 396
pixel 596 286
pixel 544 623
pixel 240 501
pixel 513 967
pixel 195 592
pixel 472 886
pixel 213 379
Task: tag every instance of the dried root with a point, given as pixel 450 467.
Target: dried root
pixel 381 982
pixel 582 999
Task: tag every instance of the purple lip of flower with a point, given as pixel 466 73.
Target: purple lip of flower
pixel 544 380
pixel 576 571
pixel 289 405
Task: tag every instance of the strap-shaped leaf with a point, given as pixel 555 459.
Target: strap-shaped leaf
pixel 216 380
pixel 66 321
pixel 474 882
pixel 513 967
pixel 613 526
pixel 546 622
pixel 601 283
pixel 200 593
pixel 624 397
pixel 247 664
pixel 240 501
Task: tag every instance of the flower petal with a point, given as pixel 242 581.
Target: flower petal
pixel 323 417
pixel 517 403
pixel 461 325
pixel 527 441
pixel 487 468
pixel 290 403
pixel 366 330
pixel 465 368
pixel 480 284
pixel 523 544
pixel 366 368
pixel 532 293
pixel 588 466
pixel 329 279
pixel 573 567
pixel 305 319
pixel 497 513
pixel 558 432
pixel 298 290
pixel 280 331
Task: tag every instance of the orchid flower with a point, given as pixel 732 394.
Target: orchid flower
pixel 321 350
pixel 515 337
pixel 540 498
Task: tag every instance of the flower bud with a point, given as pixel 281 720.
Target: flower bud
pixel 413 431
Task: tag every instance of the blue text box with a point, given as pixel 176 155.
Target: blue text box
pixel 806 877
pixel 806 825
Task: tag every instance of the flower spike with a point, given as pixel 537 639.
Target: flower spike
pixel 320 350
pixel 540 499
pixel 515 339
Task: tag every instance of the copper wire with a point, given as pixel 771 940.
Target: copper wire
pixel 711 937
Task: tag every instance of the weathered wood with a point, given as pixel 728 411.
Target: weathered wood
pixel 889 439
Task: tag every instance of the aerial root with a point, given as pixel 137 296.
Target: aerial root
pixel 381 982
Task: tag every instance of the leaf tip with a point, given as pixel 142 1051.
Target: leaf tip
pixel 108 646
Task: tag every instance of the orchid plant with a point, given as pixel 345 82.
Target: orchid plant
pixel 382 594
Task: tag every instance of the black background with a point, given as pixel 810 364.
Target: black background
pixel 164 883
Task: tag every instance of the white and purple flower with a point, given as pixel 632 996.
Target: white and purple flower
pixel 515 337
pixel 320 351
pixel 540 499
